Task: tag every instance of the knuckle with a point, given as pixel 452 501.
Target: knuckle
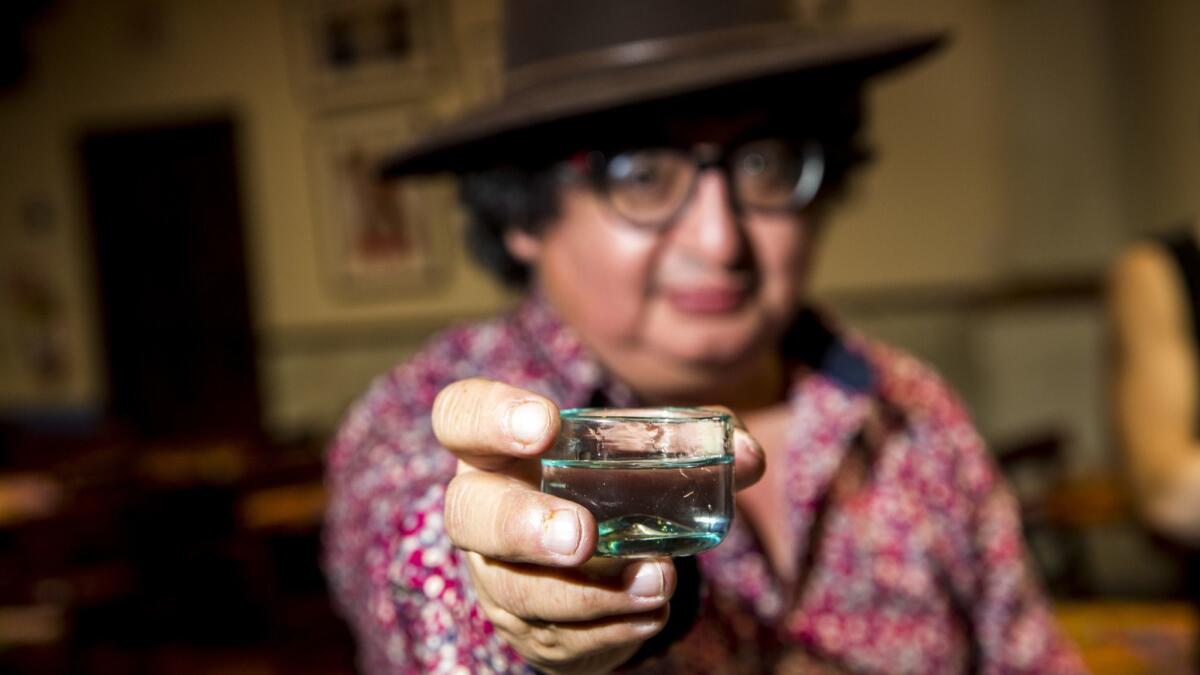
pixel 457 409
pixel 455 512
pixel 546 641
pixel 508 636
pixel 510 595
pixel 476 569
pixel 560 601
pixel 515 509
pixel 493 514
pixel 506 621
pixel 445 404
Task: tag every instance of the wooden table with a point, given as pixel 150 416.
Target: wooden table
pixel 1133 637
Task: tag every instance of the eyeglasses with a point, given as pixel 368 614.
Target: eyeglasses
pixel 649 188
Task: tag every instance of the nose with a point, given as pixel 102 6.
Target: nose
pixel 710 229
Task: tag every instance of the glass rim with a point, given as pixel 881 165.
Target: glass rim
pixel 655 414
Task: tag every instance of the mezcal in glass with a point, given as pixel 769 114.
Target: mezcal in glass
pixel 659 481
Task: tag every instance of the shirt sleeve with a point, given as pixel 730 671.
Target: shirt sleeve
pixel 393 572
pixel 1011 621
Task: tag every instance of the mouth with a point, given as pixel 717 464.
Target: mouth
pixel 707 300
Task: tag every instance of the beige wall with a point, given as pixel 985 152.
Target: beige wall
pixel 1008 155
pixel 1042 136
pixel 1162 110
pixel 932 209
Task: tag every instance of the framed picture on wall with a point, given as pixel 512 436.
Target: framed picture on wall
pixel 351 53
pixel 378 238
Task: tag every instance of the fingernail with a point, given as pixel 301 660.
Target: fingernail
pixel 647 580
pixel 648 626
pixel 560 532
pixel 527 422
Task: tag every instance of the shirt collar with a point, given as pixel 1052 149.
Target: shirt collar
pixel 810 342
pixel 813 342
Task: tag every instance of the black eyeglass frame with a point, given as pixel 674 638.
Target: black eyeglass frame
pixel 595 166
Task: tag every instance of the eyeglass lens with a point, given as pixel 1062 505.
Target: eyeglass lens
pixel 649 187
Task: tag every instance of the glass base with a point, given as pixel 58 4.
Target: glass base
pixel 649 536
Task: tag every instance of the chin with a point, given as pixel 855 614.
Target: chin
pixel 715 346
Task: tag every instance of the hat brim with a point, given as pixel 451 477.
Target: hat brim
pixel 487 135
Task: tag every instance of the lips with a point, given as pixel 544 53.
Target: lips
pixel 706 300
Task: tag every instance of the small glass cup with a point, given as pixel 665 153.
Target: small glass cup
pixel 659 481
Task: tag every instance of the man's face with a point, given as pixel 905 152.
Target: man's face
pixel 671 312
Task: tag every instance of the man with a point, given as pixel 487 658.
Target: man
pixel 656 178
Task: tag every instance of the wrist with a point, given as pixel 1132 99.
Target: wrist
pixel 1175 508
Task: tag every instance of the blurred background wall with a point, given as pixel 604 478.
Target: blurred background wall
pixel 121 64
pixel 1011 168
pixel 1046 135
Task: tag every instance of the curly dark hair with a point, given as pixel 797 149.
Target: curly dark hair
pixel 524 194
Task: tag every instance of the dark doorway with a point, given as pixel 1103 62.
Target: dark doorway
pixel 171 267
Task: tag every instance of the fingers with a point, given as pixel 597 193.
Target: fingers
pixel 556 642
pixel 552 595
pixel 575 642
pixel 501 517
pixel 489 424
pixel 749 460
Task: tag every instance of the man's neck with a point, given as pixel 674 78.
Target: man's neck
pixel 747 388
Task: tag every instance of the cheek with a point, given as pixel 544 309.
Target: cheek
pixel 782 252
pixel 597 276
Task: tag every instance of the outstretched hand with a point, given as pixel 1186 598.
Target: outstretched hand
pixel 529 553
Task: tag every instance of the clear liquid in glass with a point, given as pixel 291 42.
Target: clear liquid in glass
pixel 649 507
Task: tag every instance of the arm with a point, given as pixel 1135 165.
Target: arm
pixel 1015 630
pixel 442 560
pixel 983 552
pixel 1155 390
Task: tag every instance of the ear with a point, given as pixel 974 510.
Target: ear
pixel 522 245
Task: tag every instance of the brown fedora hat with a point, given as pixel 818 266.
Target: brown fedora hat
pixel 567 61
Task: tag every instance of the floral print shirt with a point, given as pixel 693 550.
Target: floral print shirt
pixel 921 570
